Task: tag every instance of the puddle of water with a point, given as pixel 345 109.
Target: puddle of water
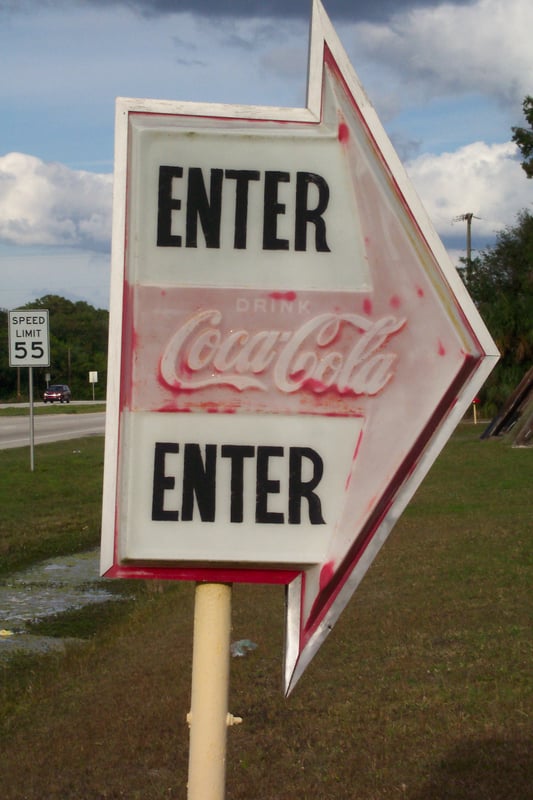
pixel 48 588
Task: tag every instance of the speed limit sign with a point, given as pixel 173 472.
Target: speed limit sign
pixel 29 340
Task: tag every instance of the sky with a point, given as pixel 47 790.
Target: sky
pixel 447 80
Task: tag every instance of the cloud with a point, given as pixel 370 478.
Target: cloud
pixel 482 47
pixel 49 204
pixel 337 9
pixel 485 180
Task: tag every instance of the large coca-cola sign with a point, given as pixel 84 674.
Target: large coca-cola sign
pixel 290 346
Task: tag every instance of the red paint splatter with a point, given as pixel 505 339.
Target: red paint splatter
pixel 395 301
pixel 169 408
pixel 420 291
pixel 290 296
pixel 343 133
pixel 326 574
pixel 345 414
pixel 309 383
pixel 367 305
pixel 185 369
pixel 442 349
pixel 371 503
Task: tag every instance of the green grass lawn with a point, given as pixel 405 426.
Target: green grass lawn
pixel 56 508
pixel 52 408
pixel 423 690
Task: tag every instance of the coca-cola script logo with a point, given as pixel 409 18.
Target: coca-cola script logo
pixel 339 352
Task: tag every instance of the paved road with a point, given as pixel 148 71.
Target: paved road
pixel 15 431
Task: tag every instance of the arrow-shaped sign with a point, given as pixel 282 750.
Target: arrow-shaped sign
pixel 275 266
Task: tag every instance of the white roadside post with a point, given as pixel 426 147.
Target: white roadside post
pixel 208 718
pixel 93 378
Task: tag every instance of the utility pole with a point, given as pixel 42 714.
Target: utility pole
pixel 468 219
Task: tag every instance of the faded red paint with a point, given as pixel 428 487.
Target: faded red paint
pixel 316 386
pixel 367 305
pixel 442 349
pixel 343 133
pixel 290 296
pixel 420 291
pixel 129 345
pixel 171 409
pixel 354 458
pixel 215 575
pixel 395 301
pixel 326 574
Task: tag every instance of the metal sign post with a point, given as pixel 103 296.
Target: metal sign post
pixel 208 718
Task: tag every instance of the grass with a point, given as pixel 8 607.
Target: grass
pixel 423 690
pixel 80 623
pixel 56 508
pixel 52 408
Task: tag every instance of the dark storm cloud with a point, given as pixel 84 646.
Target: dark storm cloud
pixel 352 10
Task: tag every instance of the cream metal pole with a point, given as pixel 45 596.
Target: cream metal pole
pixel 209 695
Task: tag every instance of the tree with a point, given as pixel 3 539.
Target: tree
pixel 500 281
pixel 523 137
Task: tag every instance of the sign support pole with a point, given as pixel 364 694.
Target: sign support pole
pixel 32 428
pixel 209 693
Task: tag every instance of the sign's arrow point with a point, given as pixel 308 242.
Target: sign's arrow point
pixel 444 353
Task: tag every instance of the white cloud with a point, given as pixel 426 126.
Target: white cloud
pixel 49 204
pixel 482 47
pixel 482 179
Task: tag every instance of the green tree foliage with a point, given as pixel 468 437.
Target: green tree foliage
pixel 78 345
pixel 523 137
pixel 500 281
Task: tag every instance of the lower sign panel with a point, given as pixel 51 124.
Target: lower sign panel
pixel 236 489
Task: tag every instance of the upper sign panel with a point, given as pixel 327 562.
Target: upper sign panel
pixel 229 204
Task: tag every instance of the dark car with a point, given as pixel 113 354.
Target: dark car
pixel 58 391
